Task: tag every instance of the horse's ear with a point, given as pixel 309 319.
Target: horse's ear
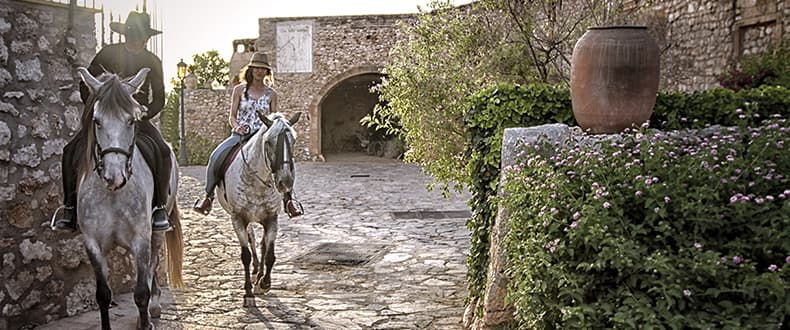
pixel 294 118
pixel 268 122
pixel 90 81
pixel 137 81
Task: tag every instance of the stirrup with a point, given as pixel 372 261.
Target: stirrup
pixel 169 226
pixel 55 215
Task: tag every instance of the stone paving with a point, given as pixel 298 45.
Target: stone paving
pixel 385 270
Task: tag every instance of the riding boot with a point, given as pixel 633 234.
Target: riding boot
pixel 203 206
pixel 68 220
pixel 292 207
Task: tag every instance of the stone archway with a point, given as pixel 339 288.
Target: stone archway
pixel 336 112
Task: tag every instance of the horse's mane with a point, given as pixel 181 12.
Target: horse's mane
pixel 114 100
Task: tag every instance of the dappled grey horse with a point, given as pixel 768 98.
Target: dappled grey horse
pixel 251 193
pixel 114 196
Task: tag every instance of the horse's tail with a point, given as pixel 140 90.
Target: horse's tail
pixel 175 249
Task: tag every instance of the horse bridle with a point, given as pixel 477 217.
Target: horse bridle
pixel 279 156
pixel 99 152
pixel 281 151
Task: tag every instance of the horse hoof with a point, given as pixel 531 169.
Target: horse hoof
pixel 261 290
pixel 249 301
pixel 155 312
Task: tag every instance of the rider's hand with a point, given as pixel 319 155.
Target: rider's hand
pixel 242 129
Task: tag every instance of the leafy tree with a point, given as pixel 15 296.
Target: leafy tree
pixel 209 67
pixel 451 52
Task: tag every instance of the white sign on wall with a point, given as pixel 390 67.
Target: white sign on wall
pixel 295 46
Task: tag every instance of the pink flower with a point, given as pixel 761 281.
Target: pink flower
pixel 607 205
pixel 666 199
pixel 577 215
pixel 772 268
pixel 574 225
pixel 737 259
pixel 687 293
pixel 697 245
pixel 787 260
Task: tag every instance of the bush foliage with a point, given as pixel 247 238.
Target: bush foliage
pixel 493 109
pixel 653 230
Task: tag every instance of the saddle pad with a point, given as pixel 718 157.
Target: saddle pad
pixel 234 152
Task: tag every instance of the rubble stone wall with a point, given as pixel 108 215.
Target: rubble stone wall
pixel 703 39
pixel 43 275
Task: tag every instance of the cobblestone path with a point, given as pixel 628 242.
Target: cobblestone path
pixel 371 252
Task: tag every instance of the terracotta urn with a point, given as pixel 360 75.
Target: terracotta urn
pixel 614 78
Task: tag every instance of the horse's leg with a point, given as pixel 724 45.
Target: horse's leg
pixel 255 261
pixel 155 308
pixel 267 252
pixel 100 270
pixel 246 257
pixel 141 249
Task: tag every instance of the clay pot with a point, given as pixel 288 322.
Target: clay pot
pixel 614 78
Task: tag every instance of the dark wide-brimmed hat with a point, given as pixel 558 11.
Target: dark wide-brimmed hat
pixel 259 60
pixel 136 23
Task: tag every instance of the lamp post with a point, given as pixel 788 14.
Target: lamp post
pixel 181 73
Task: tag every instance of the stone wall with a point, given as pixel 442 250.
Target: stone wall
pixel 702 39
pixel 44 275
pixel 342 47
pixel 206 117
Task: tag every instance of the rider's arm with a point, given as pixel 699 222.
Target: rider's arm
pixel 235 99
pixel 273 102
pixel 157 88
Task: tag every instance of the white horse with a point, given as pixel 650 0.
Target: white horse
pixel 251 193
pixel 115 193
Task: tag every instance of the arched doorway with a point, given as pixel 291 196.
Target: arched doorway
pixel 341 108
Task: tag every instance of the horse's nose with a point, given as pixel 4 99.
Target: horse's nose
pixel 114 182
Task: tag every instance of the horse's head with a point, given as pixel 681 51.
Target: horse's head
pixel 279 139
pixel 112 133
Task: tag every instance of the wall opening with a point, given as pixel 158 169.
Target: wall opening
pixel 341 110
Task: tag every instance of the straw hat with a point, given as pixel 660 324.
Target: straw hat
pixel 259 60
pixel 136 23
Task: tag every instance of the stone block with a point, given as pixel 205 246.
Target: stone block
pixel 22 47
pixel 72 253
pixel 29 70
pixel 27 156
pixel 5 133
pixel 8 107
pixel 5 76
pixel 3 52
pixel 34 251
pixel 17 286
pixel 20 216
pixel 5 26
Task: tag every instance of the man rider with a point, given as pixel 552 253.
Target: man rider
pixel 125 60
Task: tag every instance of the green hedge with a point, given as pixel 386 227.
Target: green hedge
pixel 654 232
pixel 491 110
pixel 718 107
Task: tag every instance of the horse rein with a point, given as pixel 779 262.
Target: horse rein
pixel 280 157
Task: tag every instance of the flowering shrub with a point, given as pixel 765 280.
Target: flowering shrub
pixel 653 230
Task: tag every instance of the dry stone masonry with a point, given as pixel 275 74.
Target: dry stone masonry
pixel 43 275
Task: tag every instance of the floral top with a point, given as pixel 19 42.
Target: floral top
pixel 248 106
